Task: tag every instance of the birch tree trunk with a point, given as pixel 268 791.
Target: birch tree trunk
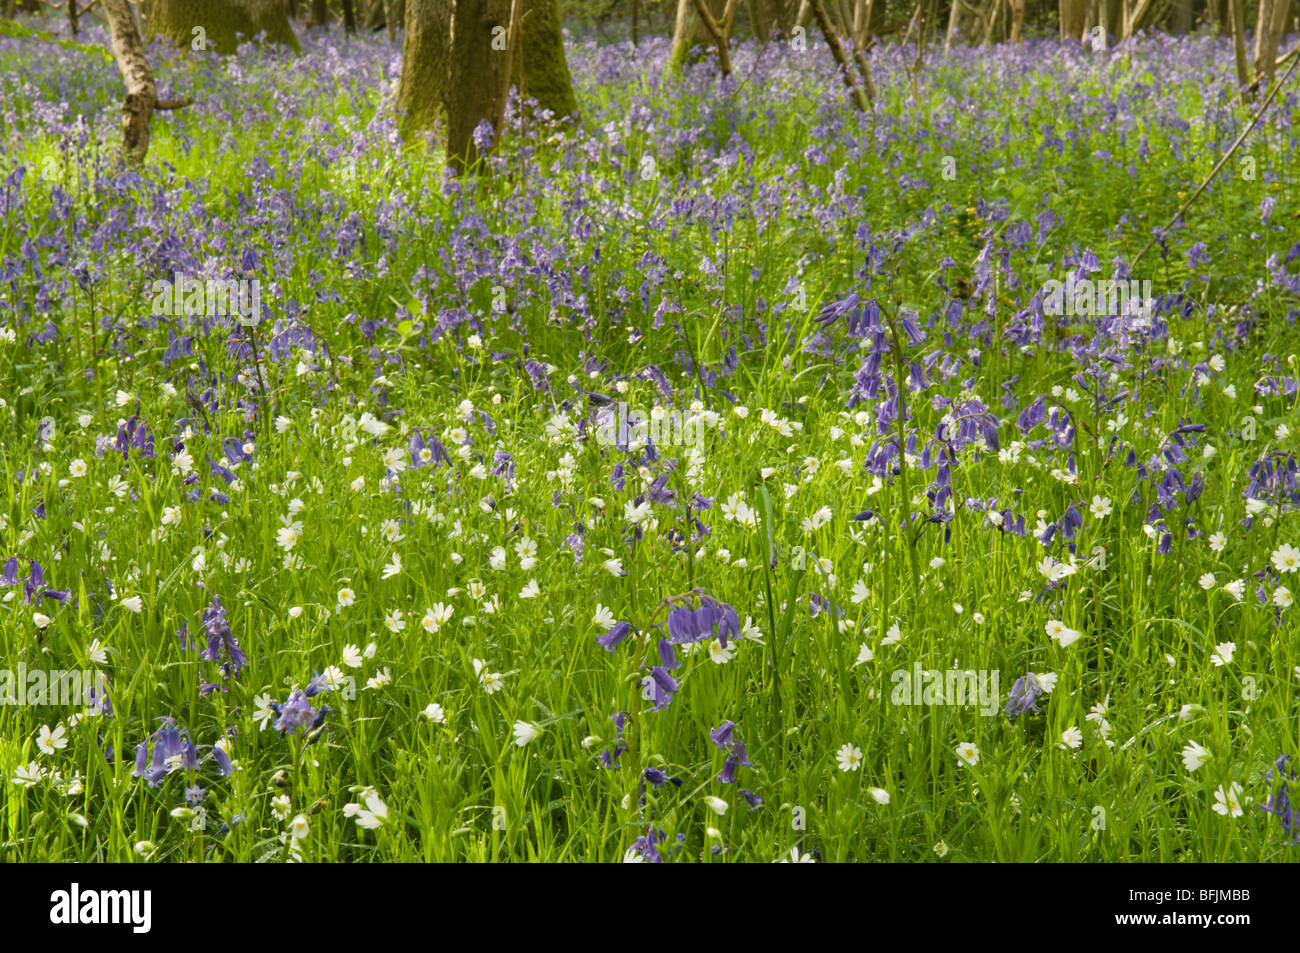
pixel 141 92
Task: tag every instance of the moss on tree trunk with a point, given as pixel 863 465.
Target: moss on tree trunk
pixel 221 23
pixel 545 76
pixel 479 63
pixel 426 63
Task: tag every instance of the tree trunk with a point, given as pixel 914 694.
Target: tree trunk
pixel 545 72
pixel 1017 20
pixel 689 31
pixel 349 17
pixel 1074 17
pixel 426 63
pixel 1237 12
pixel 218 24
pixel 1268 36
pixel 72 16
pixel 480 62
pixel 141 93
pixel 320 14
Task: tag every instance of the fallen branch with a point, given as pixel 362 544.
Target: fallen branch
pixel 1222 162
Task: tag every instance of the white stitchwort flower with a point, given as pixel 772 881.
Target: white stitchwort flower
pixel 849 757
pixel 1194 756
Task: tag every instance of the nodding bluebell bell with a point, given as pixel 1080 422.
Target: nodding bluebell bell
pixel 217 629
pixel 711 618
pixel 734 761
pixel 296 713
pixel 610 640
pixel 1024 695
pixel 172 751
pixel 1280 804
pixel 609 759
pixel 661 687
pixel 659 778
pixel 645 846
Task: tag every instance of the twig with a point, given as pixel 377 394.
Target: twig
pixel 1222 162
pixel 716 35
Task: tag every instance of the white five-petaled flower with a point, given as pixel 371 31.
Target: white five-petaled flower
pixel 603 618
pixel 849 757
pixel 1286 558
pixel 1223 653
pixel 1072 737
pixel 525 732
pixel 134 604
pixel 1228 801
pixel 968 753
pixel 1194 756
pixel 491 681
pixel 1062 633
pixel 51 741
pixel 436 617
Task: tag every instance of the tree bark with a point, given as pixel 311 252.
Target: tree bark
pixel 141 92
pixel 837 51
pixel 320 14
pixel 479 60
pixel 349 17
pixel 1074 17
pixel 1268 36
pixel 689 31
pixel 218 24
pixel 426 63
pixel 1017 20
pixel 545 72
pixel 1237 13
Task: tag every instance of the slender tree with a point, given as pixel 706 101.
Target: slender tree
pixel 141 92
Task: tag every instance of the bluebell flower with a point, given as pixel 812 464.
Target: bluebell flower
pixel 1024 695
